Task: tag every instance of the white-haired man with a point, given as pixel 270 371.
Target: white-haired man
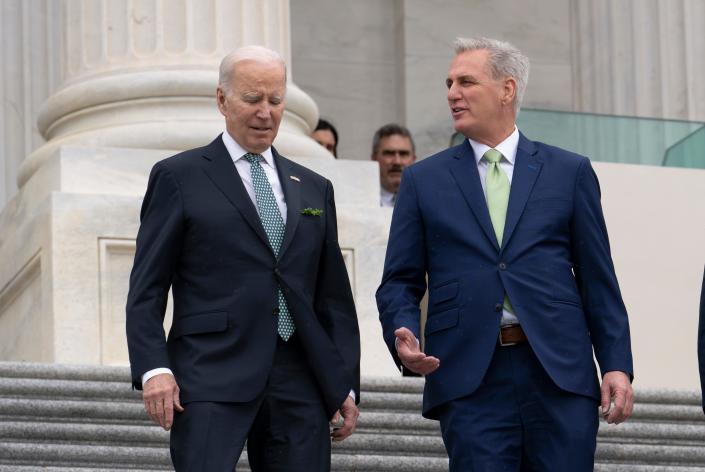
pixel 264 344
pixel 511 236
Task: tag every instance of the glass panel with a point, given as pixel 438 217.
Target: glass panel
pixel 689 152
pixel 623 139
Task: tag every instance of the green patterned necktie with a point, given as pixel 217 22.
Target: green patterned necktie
pixel 274 227
pixel 497 189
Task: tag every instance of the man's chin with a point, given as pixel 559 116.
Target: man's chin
pixel 393 187
pixel 258 146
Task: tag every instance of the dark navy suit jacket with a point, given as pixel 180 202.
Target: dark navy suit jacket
pixel 201 235
pixel 554 264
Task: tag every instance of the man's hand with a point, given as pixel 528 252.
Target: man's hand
pixel 617 397
pixel 410 354
pixel 349 413
pixel 161 397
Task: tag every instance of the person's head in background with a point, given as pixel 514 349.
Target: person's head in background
pixel 326 135
pixel 393 148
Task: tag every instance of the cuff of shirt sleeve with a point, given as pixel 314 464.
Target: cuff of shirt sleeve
pixel 151 373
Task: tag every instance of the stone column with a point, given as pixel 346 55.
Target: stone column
pixel 143 73
pixel 129 83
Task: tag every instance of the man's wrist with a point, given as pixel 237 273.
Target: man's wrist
pixel 154 372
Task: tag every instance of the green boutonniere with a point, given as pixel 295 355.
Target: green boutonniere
pixel 312 211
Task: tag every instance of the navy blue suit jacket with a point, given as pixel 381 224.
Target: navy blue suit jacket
pixel 200 234
pixel 554 263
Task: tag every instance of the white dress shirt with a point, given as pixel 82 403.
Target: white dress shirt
pixel 237 154
pixel 508 148
pixel 386 198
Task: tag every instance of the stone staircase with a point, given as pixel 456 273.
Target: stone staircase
pixel 86 418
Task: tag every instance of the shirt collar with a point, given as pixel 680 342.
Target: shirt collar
pixel 386 196
pixel 237 152
pixel 508 147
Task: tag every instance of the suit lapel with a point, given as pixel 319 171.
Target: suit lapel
pixel 527 167
pixel 222 172
pixel 464 170
pixel 292 195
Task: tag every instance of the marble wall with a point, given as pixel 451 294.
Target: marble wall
pixel 349 56
pixel 370 62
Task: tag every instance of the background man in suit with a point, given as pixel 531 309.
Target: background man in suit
pixel 393 148
pixel 522 285
pixel 264 345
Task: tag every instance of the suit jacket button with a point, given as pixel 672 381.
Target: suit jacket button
pixel 276 312
pixel 502 266
pixel 277 273
pixel 498 307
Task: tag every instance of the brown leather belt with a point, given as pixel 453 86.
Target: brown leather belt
pixel 511 334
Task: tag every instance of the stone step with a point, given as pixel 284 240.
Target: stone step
pixel 47 453
pixel 60 457
pixel 347 456
pixel 87 395
pixel 87 418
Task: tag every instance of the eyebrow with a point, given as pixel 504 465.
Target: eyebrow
pixel 471 78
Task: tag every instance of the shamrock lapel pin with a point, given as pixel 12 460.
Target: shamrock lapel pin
pixel 312 211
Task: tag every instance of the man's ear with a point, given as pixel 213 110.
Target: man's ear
pixel 509 91
pixel 220 98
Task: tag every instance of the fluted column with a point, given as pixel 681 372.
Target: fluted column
pixel 143 74
pixel 639 57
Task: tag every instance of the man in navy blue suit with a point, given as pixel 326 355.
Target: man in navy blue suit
pixel 511 237
pixel 264 345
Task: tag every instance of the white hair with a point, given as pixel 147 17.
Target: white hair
pixel 253 53
pixel 505 60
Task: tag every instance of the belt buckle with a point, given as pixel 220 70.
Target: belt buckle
pixel 502 343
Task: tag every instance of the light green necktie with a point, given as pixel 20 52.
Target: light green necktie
pixel 274 227
pixel 497 189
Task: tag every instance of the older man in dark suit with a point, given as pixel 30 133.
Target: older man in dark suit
pixel 264 345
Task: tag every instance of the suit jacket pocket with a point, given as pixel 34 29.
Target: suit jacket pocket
pixel 576 303
pixel 443 293
pixel 440 321
pixel 199 323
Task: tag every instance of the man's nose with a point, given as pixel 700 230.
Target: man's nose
pixel 453 93
pixel 264 111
